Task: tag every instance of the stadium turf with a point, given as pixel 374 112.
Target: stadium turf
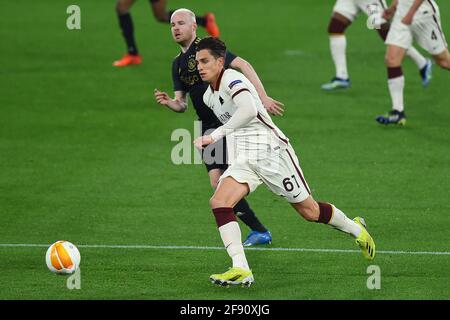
pixel 85 157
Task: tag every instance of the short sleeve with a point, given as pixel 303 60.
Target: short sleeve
pixel 177 84
pixel 229 57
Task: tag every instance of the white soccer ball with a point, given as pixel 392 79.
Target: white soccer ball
pixel 63 257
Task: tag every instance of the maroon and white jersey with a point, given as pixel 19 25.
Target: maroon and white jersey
pixel 260 133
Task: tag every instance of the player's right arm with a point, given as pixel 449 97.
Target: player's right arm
pixel 177 104
pixel 389 12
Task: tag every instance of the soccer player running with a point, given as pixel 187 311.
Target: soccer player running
pixel 160 13
pixel 344 13
pixel 186 80
pixel 414 19
pixel 261 154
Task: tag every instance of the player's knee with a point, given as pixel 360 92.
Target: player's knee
pixel 161 16
pixel 122 6
pixel 391 60
pixel 337 26
pixel 215 202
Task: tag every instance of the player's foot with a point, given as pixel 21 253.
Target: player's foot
pixel 211 26
pixel 234 276
pixel 128 59
pixel 426 74
pixel 335 84
pixel 256 237
pixel 364 240
pixel 392 117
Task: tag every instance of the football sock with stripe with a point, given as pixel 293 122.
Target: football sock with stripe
pixel 338 45
pixel 331 215
pixel 396 84
pixel 231 236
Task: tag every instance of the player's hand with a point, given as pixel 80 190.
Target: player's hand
pixel 273 106
pixel 162 97
pixel 203 141
pixel 407 19
pixel 388 13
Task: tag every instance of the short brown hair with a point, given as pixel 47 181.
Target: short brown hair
pixel 215 46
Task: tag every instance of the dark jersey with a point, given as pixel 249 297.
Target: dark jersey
pixel 186 78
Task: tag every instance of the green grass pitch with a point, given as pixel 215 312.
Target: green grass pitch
pixel 85 157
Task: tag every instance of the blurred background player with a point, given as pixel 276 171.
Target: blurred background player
pixel 262 154
pixel 344 13
pixel 186 79
pixel 414 20
pixel 162 15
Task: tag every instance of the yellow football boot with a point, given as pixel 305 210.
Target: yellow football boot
pixel 234 276
pixel 364 240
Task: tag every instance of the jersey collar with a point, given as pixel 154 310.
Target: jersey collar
pixel 217 84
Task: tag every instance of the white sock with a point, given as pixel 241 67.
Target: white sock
pixel 340 221
pixel 338 45
pixel 415 56
pixel 396 86
pixel 231 237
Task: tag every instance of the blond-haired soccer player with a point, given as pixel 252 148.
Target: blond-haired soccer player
pixel 344 13
pixel 413 20
pixel 259 153
pixel 132 57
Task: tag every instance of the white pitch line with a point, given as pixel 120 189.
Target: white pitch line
pixel 105 246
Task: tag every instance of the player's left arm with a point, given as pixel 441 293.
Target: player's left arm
pixel 273 106
pixel 246 111
pixel 408 18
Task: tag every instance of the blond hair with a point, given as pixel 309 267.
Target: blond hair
pixel 191 14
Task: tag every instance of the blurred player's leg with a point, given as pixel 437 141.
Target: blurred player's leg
pixel 226 196
pixel 126 25
pixel 159 11
pixel 338 45
pixel 210 25
pixel 259 234
pixel 424 65
pixel 396 84
pixel 327 213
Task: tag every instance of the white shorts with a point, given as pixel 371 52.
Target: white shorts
pixel 351 8
pixel 279 171
pixel 426 31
